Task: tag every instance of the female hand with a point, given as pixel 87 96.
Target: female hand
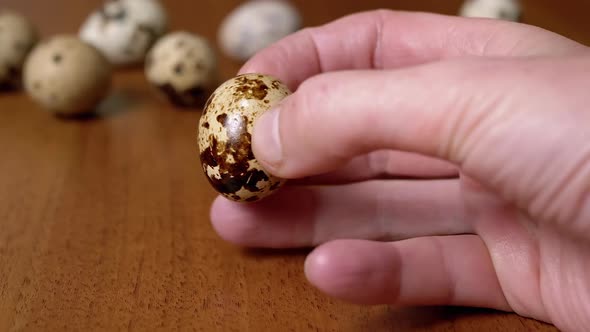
pixel 438 161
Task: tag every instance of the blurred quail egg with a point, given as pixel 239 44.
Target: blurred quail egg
pixel 17 37
pixel 67 76
pixel 225 136
pixel 508 10
pixel 125 30
pixel 184 67
pixel 255 25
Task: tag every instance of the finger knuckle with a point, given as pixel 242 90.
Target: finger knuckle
pixel 311 101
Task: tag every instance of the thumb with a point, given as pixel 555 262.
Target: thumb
pixel 501 120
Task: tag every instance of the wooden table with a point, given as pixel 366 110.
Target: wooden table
pixel 104 223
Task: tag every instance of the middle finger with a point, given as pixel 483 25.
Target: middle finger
pixel 385 164
pixel 372 210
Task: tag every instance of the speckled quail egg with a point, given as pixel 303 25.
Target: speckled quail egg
pixel 184 67
pixel 66 75
pixel 509 10
pixel 256 25
pixel 17 37
pixel 125 30
pixel 225 136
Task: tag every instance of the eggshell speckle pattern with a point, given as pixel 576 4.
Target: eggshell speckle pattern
pixel 256 25
pixel 17 38
pixel 66 75
pixel 225 136
pixel 509 10
pixel 184 67
pixel 125 30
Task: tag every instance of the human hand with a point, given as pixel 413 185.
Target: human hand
pixel 438 161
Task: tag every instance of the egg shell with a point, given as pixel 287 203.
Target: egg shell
pixel 256 25
pixel 509 10
pixel 18 36
pixel 225 136
pixel 184 67
pixel 125 30
pixel 66 75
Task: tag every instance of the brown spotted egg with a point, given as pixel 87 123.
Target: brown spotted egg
pixel 225 136
pixel 183 66
pixel 66 76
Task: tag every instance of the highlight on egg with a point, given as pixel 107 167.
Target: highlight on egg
pixel 225 136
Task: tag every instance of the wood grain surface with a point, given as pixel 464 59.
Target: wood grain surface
pixel 104 222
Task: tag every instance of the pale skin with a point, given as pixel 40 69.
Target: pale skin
pixel 435 161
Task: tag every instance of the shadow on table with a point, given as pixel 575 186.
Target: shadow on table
pixel 116 103
pixel 6 90
pixel 427 318
pixel 262 253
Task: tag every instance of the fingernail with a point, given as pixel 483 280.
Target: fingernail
pixel 268 138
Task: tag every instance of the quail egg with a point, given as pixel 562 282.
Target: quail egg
pixel 184 67
pixel 225 136
pixel 17 37
pixel 67 76
pixel 125 30
pixel 256 25
pixel 508 10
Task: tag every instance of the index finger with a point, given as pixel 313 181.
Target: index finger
pixel 386 39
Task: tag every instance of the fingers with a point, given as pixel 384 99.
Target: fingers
pixel 453 270
pixel 378 210
pixel 337 116
pixel 387 39
pixel 385 164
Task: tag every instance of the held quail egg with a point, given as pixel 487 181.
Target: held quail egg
pixel 184 67
pixel 508 10
pixel 17 37
pixel 225 136
pixel 67 76
pixel 255 25
pixel 125 30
